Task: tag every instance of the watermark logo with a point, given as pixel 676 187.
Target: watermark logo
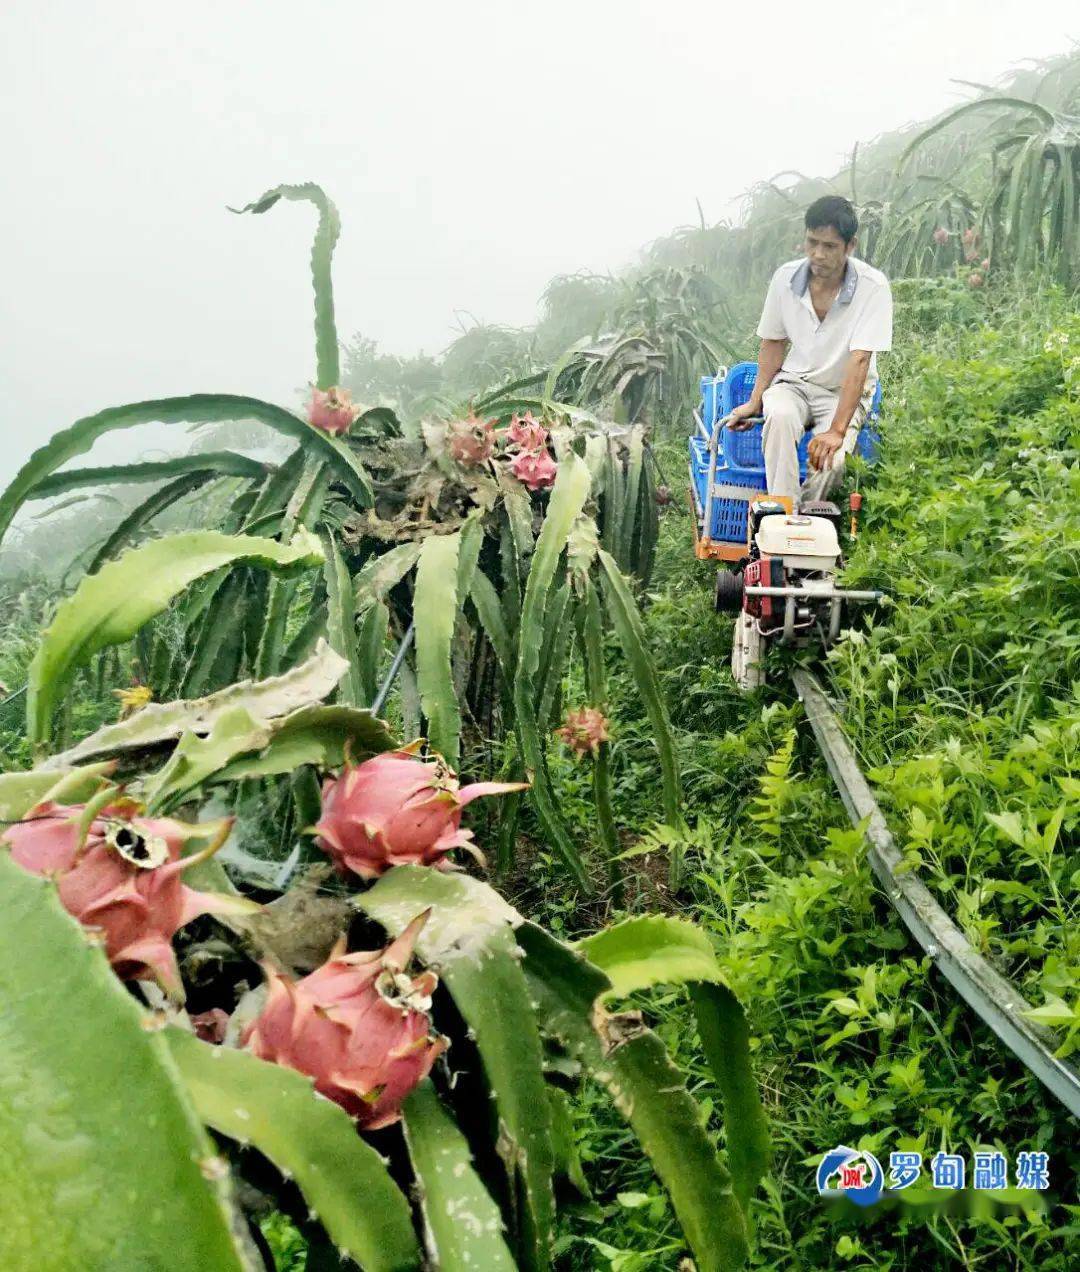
pixel 852 1173
pixel 857 1175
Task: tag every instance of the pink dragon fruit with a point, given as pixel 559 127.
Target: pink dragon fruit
pixel 535 469
pixel 332 410
pixel 583 730
pixel 975 279
pixel 124 880
pixel 941 236
pixel 663 496
pixel 358 1025
pixel 211 1026
pixel 470 441
pixel 526 433
pixel 394 810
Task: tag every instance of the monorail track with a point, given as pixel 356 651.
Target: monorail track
pixel 993 998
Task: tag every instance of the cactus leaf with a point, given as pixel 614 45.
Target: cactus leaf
pixel 309 1139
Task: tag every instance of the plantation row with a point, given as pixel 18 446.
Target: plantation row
pixel 573 958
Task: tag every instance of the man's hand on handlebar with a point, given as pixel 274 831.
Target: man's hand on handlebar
pixel 743 416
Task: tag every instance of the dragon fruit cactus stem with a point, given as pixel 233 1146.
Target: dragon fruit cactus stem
pixel 396 809
pixel 358 1025
pixel 120 875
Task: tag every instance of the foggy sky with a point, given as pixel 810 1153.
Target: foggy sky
pixel 474 150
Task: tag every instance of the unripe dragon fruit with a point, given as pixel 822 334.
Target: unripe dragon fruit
pixel 526 433
pixel 470 441
pixel 124 880
pixel 583 730
pixel 332 410
pixel 396 810
pixel 941 236
pixel 358 1025
pixel 535 469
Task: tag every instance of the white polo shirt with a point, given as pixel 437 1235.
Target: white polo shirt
pixel 860 318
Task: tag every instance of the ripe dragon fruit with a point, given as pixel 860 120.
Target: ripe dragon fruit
pixel 975 279
pixel 663 496
pixel 332 410
pixel 583 730
pixel 941 236
pixel 526 433
pixel 124 880
pixel 358 1025
pixel 535 469
pixel 394 810
pixel 470 441
pixel 211 1026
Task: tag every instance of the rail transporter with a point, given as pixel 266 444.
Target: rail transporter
pixel 778 563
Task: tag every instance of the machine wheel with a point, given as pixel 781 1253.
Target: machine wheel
pixel 728 597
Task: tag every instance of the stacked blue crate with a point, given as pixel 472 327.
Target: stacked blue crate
pixel 740 459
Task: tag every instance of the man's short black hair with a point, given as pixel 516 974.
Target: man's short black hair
pixel 835 211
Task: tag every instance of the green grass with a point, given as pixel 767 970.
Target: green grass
pixel 961 699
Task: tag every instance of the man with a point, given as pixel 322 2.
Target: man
pixel 825 318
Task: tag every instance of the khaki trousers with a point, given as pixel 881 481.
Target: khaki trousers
pixel 792 405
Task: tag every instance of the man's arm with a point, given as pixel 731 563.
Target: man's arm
pixel 825 445
pixel 770 360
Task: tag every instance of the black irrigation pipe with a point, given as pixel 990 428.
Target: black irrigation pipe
pixel 378 702
pixel 993 998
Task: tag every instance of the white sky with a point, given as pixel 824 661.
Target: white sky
pixel 474 149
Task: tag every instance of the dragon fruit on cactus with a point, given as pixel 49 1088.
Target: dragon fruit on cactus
pixel 583 730
pixel 211 1026
pixel 358 1025
pixel 941 236
pixel 332 410
pixel 394 810
pixel 124 880
pixel 470 441
pixel 526 433
pixel 535 469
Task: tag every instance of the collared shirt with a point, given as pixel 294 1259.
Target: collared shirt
pixel 860 318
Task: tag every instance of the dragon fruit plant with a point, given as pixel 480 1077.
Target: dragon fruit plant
pixel 384 1038
pixel 453 535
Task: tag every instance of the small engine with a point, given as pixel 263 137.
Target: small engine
pixel 794 552
pixel 786 590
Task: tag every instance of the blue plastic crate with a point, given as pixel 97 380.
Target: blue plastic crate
pixel 741 451
pixel 729 511
pixel 710 398
pixel 737 386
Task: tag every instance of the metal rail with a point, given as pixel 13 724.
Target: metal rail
pixel 812 593
pixel 996 1000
